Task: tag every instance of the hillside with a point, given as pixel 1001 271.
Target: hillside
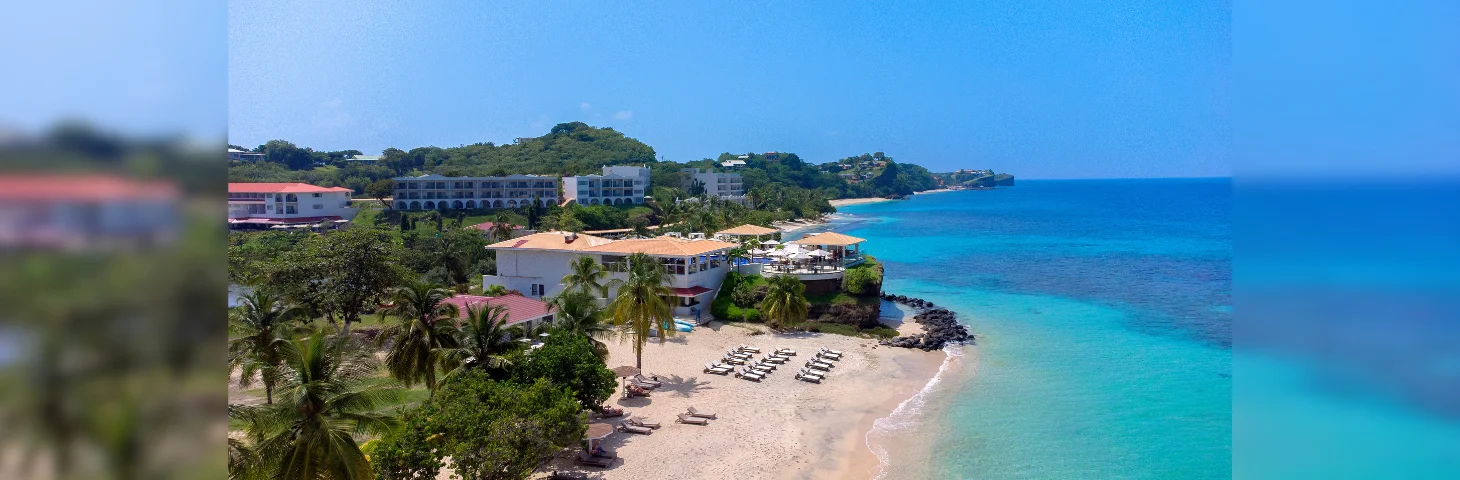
pixel 976 178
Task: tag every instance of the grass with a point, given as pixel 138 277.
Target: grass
pixel 880 331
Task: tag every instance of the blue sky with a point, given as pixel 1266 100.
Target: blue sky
pixel 1041 89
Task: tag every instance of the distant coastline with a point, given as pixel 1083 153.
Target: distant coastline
pixel 842 202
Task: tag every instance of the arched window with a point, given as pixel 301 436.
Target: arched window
pixel 594 202
pixel 618 201
pixel 511 204
pixel 471 204
pixel 400 205
pixel 457 205
pixel 291 198
pixel 415 205
pixel 497 204
pixel 430 205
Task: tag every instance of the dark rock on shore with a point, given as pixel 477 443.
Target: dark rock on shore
pixel 940 325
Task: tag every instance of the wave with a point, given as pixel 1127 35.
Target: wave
pixel 908 413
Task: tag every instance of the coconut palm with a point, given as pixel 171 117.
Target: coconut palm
pixel 425 327
pixel 586 275
pixel 640 303
pixel 785 302
pixel 327 399
pixel 260 326
pixel 482 341
pixel 578 314
pixel 501 228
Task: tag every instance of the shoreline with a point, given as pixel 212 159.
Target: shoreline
pixel 842 202
pixel 779 427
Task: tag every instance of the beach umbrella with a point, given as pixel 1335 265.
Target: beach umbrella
pixel 819 253
pixel 770 242
pixel 598 430
pixel 800 256
pixel 626 371
pixel 757 251
pixel 778 253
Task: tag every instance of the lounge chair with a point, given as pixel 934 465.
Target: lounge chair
pixel 585 459
pixel 557 475
pixel 631 428
pixel 750 349
pixel 761 369
pixel 733 360
pixel 740 355
pixel 814 365
pixel 828 350
pixel 717 369
pixel 696 412
pixel 645 386
pixel 826 358
pixel 609 412
pixel 775 360
pixel 633 391
pixel 808 373
pixel 647 380
pixel 643 422
pixel 692 420
pixel 808 378
pixel 748 375
pixel 785 351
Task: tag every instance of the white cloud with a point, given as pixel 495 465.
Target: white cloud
pixel 585 107
pixel 624 114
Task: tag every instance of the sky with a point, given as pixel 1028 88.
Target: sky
pixel 1048 89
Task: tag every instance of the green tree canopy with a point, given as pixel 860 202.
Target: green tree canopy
pixel 568 360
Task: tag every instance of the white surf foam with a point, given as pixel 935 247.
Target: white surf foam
pixel 908 413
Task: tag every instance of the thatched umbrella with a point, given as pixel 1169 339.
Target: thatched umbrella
pixel 626 371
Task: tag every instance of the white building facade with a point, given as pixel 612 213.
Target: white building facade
pixel 438 192
pixel 727 186
pixel 287 203
pixel 236 155
pixel 618 185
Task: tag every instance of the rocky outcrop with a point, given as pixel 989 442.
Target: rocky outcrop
pixel 940 325
pixel 856 314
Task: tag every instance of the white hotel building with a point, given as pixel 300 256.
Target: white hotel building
pixel 728 186
pixel 439 192
pixel 536 264
pixel 618 185
pixel 287 204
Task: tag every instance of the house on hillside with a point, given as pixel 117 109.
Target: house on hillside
pixel 264 205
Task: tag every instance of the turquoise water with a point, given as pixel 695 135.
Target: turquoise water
pixel 1103 315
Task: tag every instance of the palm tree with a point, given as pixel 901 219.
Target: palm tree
pixel 785 302
pixel 259 327
pixel 586 275
pixel 483 340
pixel 578 314
pixel 640 303
pixel 327 399
pixel 501 228
pixel 425 327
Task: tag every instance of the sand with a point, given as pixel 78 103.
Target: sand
pixel 842 202
pixel 778 428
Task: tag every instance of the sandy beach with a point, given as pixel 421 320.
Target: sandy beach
pixel 842 202
pixel 777 428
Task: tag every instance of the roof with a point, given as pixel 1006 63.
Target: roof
pixel 282 188
pixel 552 241
pixel 829 238
pixel 485 226
pixel 366 157
pixel 519 308
pixel 662 246
pixel 747 229
pixel 285 221
pixel 235 150
pixel 75 187
pixel 689 292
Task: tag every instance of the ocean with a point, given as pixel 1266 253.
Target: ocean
pixel 1103 316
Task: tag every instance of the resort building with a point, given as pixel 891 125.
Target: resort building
pixel 85 212
pixel 520 309
pixel 536 264
pixel 270 204
pixel 618 185
pixel 727 186
pixel 363 159
pixel 846 250
pixel 236 155
pixel 439 192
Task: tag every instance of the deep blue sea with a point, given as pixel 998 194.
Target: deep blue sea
pixel 1103 315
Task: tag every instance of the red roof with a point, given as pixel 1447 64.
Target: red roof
pixel 284 221
pixel 281 188
pixel 62 186
pixel 519 308
pixel 487 226
pixel 689 292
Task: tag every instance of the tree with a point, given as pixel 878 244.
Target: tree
pixel 258 326
pixel 481 344
pixel 501 228
pixel 785 303
pixel 380 189
pixel 569 361
pixel 424 330
pixel 489 430
pixel 586 275
pixel 351 268
pixel 577 313
pixel 640 303
pixel 327 396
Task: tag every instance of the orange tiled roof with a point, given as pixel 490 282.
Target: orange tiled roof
pixel 748 229
pixel 829 238
pixel 562 241
pixel 663 246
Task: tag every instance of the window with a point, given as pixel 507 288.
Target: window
pixel 317 195
pixel 318 207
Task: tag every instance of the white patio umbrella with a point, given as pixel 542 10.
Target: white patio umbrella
pixel 757 251
pixel 819 253
pixel 770 242
pixel 800 256
pixel 778 253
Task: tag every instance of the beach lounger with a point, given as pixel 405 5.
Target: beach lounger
pixel 643 422
pixel 692 420
pixel 750 349
pixel 585 459
pixel 785 351
pixel 645 386
pixel 717 369
pixel 702 414
pixel 631 428
pixel 821 362
pixel 748 375
pixel 647 380
pixel 826 359
pixel 775 360
pixel 633 391
pixel 740 355
pixel 557 475
pixel 808 378
pixel 733 361
pixel 761 369
pixel 828 350
pixel 808 373
pixel 818 366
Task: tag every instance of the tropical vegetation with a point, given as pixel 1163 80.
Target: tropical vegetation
pixel 641 303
